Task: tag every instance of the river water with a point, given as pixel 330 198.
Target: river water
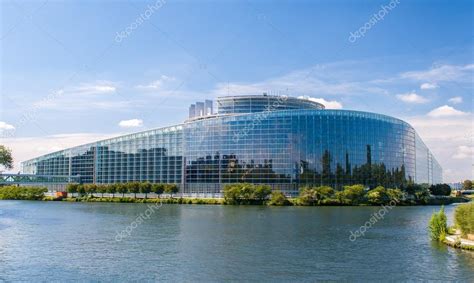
pixel 44 241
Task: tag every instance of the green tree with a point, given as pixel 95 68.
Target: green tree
pixel 81 189
pixel 122 188
pixel 232 193
pixel 354 194
pixel 158 189
pixel 72 188
pixel 112 189
pixel 133 188
pixel 307 196
pixel 261 192
pixel 101 189
pixel 90 189
pixel 395 194
pixel 6 158
pixel 467 185
pixel 379 195
pixel 279 199
pixel 438 225
pixel 145 188
pixel 464 218
pixel 440 190
pixel 171 189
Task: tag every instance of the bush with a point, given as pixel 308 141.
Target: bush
pixel 438 225
pixel 378 196
pixel 464 218
pixel 316 195
pixel 279 199
pixel 244 193
pixel 354 194
pixel 22 193
pixel 440 190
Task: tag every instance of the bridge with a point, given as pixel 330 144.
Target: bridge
pixel 50 181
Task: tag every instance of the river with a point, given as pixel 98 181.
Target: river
pixel 44 241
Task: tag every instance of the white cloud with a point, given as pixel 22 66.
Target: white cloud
pixel 442 73
pixel 464 152
pixel 132 123
pixel 5 126
pixel 428 86
pixel 445 111
pixel 412 97
pixel 100 87
pixel 328 104
pixel 335 79
pixel 157 84
pixel 455 100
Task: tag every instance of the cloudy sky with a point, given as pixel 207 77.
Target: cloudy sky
pixel 74 72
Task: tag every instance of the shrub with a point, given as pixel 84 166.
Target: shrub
pixel 316 195
pixel 464 218
pixel 171 189
pixel 279 199
pixel 438 225
pixel 244 193
pixel 158 189
pixel 354 194
pixel 378 195
pixel 72 188
pixel 133 188
pixel 145 188
pixel 440 190
pixel 22 193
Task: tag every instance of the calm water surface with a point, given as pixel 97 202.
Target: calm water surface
pixel 44 241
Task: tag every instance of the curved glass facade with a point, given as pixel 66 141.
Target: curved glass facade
pixel 283 148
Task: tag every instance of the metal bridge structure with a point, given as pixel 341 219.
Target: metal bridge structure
pixel 50 181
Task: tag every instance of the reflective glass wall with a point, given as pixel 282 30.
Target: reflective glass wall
pixel 286 149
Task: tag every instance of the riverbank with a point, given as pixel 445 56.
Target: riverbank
pixel 222 201
pixel 245 194
pixel 456 241
pixel 461 234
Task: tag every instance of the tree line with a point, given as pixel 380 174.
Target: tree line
pixel 122 188
pixel 245 193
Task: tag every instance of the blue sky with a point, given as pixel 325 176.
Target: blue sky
pixel 77 71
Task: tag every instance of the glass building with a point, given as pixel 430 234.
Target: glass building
pixel 281 141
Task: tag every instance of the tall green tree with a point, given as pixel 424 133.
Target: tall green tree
pixel 122 188
pixel 112 189
pixel 171 189
pixel 145 188
pixel 81 190
pixel 158 189
pixel 6 158
pixel 102 189
pixel 72 188
pixel 467 185
pixel 133 188
pixel 261 192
